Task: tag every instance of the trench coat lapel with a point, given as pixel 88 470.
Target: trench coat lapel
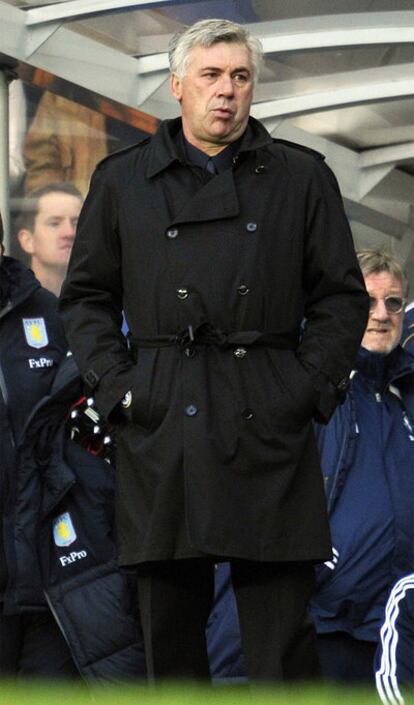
pixel 217 199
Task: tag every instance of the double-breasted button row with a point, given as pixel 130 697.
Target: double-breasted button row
pixel 173 233
pixel 192 410
pixel 183 293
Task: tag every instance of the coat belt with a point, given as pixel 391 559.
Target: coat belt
pixel 206 334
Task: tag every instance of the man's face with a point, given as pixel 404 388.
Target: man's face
pixel 215 95
pixel 383 331
pixel 51 240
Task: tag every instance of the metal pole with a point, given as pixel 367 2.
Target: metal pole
pixel 7 74
pixel 4 155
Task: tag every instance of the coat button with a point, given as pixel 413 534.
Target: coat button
pixel 260 169
pixel 251 227
pixel 172 233
pixel 182 293
pixel 191 410
pixel 189 352
pixel 247 414
pixel 243 289
pixel 240 352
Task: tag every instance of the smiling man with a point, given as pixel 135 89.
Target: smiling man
pixel 367 454
pixel 47 228
pixel 216 241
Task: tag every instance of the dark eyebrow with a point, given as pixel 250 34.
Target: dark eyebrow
pixel 217 68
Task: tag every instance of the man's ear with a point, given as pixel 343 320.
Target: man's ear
pixel 25 238
pixel 176 86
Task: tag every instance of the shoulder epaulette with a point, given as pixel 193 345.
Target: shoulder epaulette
pixel 301 147
pixel 124 150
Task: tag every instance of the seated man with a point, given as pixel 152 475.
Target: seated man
pixel 46 231
pixel 56 506
pixel 32 344
pixel 367 457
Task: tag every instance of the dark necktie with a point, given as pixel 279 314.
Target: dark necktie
pixel 210 166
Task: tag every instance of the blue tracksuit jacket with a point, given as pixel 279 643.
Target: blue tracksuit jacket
pixel 367 458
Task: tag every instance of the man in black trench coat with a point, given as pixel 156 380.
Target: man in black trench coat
pixel 216 241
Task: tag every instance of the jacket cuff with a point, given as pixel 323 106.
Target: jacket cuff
pixel 108 383
pixel 328 394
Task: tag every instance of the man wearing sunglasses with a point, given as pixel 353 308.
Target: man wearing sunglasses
pixel 367 457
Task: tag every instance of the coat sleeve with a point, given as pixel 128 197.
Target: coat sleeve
pixel 336 302
pixel 91 298
pixel 394 669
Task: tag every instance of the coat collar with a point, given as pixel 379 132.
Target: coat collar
pixel 218 198
pixel 385 369
pixel 164 151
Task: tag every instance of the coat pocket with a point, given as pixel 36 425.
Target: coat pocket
pixel 297 400
pixel 149 405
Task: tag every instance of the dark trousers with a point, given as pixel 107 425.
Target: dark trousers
pixel 344 659
pixel 278 638
pixel 31 646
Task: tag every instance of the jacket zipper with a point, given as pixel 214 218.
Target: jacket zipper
pixel 347 440
pixel 59 624
pixel 4 394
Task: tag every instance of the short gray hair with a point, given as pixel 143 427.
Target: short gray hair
pixel 206 33
pixel 373 261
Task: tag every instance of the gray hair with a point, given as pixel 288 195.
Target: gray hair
pixel 373 261
pixel 206 33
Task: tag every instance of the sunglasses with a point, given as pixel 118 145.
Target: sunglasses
pixel 393 304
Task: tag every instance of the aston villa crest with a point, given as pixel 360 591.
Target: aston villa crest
pixel 63 530
pixel 35 332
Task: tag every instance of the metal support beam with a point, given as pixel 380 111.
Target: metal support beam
pixel 392 134
pixel 353 29
pixel 38 36
pixel 376 220
pixel 350 29
pixel 334 91
pixel 74 9
pixel 361 29
pixel 73 57
pixel 6 74
pixel 368 179
pixel 395 154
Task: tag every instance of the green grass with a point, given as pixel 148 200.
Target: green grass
pixel 52 694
